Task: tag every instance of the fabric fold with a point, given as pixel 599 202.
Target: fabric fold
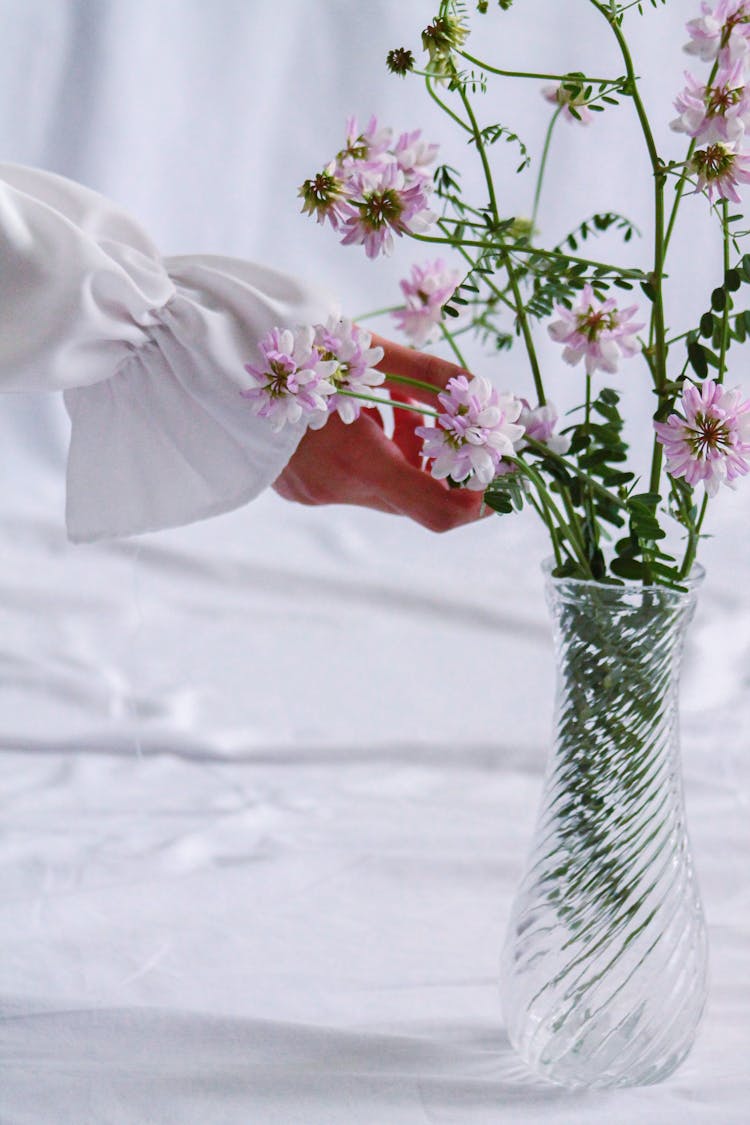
pixel 150 354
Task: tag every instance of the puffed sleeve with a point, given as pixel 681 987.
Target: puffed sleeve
pixel 149 352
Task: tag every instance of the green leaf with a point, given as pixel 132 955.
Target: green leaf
pixel 627 568
pixel 614 479
pixel 648 500
pixel 697 358
pixel 628 547
pixel 732 280
pixel 500 502
pixel 719 299
pixel 707 325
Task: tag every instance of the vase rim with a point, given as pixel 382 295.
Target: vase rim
pixel 692 582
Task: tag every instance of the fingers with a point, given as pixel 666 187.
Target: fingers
pixel 411 492
pixel 404 425
pixel 400 360
pixel 358 464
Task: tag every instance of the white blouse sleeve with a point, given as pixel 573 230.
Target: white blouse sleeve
pixel 150 353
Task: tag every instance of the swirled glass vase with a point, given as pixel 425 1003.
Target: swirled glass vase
pixel 605 962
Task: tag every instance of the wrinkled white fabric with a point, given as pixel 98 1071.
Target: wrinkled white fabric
pixel 150 354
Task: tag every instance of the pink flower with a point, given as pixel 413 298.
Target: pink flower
pixel 477 428
pixel 720 168
pixel 539 424
pixel 714 113
pixel 366 146
pixel 347 347
pixel 293 381
pixel 710 442
pixel 723 29
pixel 413 155
pixel 426 291
pixel 373 188
pixel 564 99
pixel 596 331
pixel 327 197
pixel 387 206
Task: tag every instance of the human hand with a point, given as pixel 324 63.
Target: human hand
pixel 358 464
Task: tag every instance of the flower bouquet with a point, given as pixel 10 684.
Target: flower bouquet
pixel 604 966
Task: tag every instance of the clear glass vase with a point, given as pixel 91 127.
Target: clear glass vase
pixel 604 968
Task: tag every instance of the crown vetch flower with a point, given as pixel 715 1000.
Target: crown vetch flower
pixel 400 61
pixel 440 38
pixel 426 290
pixel 413 156
pixel 539 424
pixel 347 347
pixel 293 382
pixel 366 145
pixel 476 429
pixel 564 98
pixel 720 112
pixel 596 331
pixel 326 196
pixel 720 169
pixel 710 442
pixel 723 29
pixel 387 205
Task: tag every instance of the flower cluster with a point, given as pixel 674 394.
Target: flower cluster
pixel 378 187
pixel 426 290
pixel 374 188
pixel 721 32
pixel 539 424
pixel 596 331
pixel 440 39
pixel 710 440
pixel 311 372
pixel 477 428
pixel 716 113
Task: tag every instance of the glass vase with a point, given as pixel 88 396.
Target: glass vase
pixel 604 968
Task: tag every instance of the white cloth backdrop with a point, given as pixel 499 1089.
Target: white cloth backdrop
pixel 268 781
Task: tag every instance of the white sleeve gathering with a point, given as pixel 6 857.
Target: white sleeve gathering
pixel 149 352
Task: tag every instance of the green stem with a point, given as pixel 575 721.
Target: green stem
pixel 409 382
pixel 542 167
pixel 460 247
pixel 545 451
pixel 587 414
pixel 448 336
pixel 387 402
pixel 575 525
pixel 523 323
pixel 694 535
pixel 657 334
pixel 482 152
pixel 445 108
pixel 553 512
pixel 377 312
pixel 725 313
pixel 541 511
pixel 520 310
pixel 532 74
pixel 684 177
pixel 535 252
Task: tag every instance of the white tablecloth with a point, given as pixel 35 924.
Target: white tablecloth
pixel 264 809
